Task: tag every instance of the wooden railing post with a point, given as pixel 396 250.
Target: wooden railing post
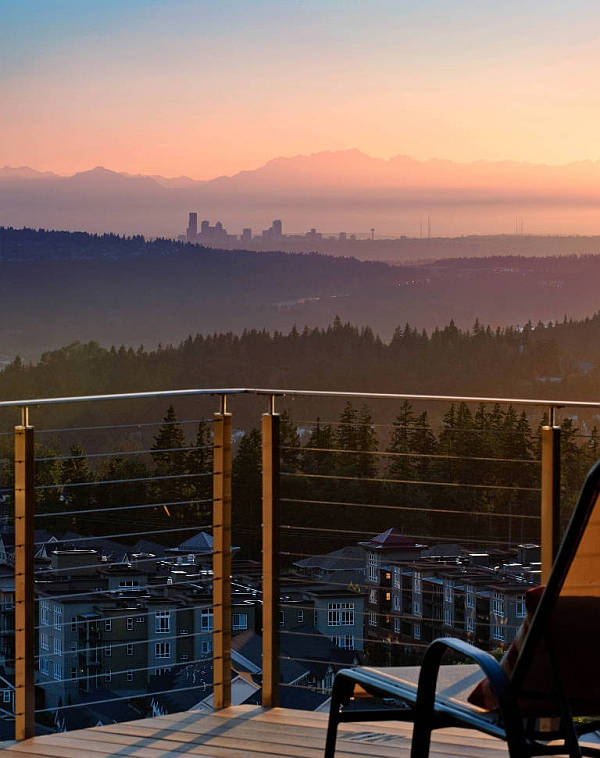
pixel 270 558
pixel 24 579
pixel 550 531
pixel 222 557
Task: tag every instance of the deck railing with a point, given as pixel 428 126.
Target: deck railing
pixel 315 492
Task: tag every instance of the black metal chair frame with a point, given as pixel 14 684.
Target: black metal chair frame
pixel 429 711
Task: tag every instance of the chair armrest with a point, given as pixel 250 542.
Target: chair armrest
pixel 496 675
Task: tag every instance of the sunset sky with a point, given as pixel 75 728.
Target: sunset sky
pixel 208 88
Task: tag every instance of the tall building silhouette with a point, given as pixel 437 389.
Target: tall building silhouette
pixel 192 230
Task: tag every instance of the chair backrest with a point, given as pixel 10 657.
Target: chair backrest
pixel 559 662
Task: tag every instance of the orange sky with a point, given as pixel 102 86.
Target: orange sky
pixel 201 88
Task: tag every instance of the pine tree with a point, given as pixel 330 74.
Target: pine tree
pixel 75 471
pixel 171 462
pixel 247 492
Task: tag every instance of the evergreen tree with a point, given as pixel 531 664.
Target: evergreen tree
pixel 247 492
pixel 75 470
pixel 199 461
pixel 171 462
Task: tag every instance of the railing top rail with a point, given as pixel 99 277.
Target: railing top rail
pixel 32 402
pixel 227 391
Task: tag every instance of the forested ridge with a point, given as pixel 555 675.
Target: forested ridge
pixel 542 360
pixel 58 287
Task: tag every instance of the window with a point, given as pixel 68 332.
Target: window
pixel 417 631
pixel 497 631
pixel 397 578
pixel 498 603
pixel 128 583
pixel 58 671
pixel 44 641
pixel 73 673
pixel 372 618
pixel 129 624
pixel 282 618
pixel 43 665
pixel 130 676
pixel 448 591
pixel 396 625
pixel 163 622
pixel 520 609
pixel 108 651
pixel 45 613
pixel 108 625
pixel 397 601
pixel 417 583
pixel 388 596
pixel 300 615
pixel 130 648
pixel 373 567
pixel 57 646
pixel 73 624
pixel 162 649
pixel 448 615
pixel 340 614
pixel 6 696
pixel 239 621
pixel 345 641
pixel 139 619
pixel 58 617
pixel 373 597
pixel 206 647
pixel 470 596
pixel 108 676
pixel 206 620
pixel 161 671
pixel 417 608
pixel 470 624
pixel 74 647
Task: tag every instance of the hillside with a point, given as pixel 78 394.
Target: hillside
pixel 58 287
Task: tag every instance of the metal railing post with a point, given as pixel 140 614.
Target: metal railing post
pixel 24 579
pixel 222 557
pixel 270 558
pixel 550 512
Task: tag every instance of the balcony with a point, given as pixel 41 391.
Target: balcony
pixel 127 567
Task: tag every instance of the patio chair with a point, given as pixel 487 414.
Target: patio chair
pixel 545 699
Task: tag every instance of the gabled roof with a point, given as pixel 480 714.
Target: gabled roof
pixel 346 558
pixel 391 539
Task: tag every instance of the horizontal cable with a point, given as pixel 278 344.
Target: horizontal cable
pixel 95 483
pixel 132 534
pixel 404 615
pixel 425 509
pixel 110 427
pixel 340 633
pixel 123 697
pixel 382 480
pixel 389 454
pixel 132 612
pixel 115 645
pixel 366 535
pixel 116 453
pixel 167 504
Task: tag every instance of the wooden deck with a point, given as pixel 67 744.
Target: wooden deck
pixel 250 731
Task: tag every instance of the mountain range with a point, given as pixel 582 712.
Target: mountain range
pixel 338 190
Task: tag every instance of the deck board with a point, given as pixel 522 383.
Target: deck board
pixel 249 731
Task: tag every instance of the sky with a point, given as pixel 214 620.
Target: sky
pixel 205 88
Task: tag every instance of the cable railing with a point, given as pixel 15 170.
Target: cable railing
pixel 110 604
